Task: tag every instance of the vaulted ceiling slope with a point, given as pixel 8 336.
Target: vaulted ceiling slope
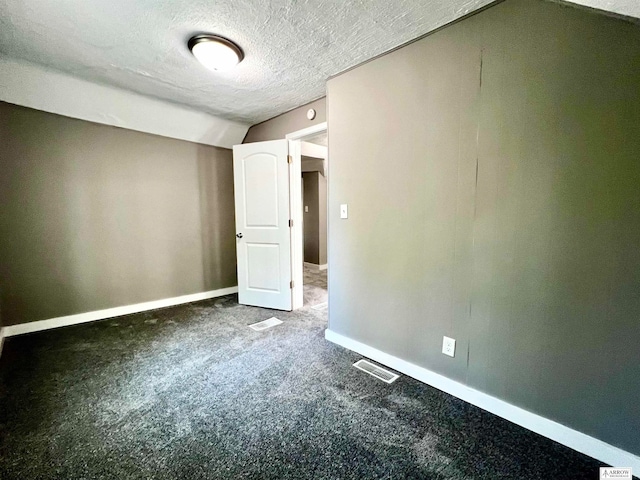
pixel 291 46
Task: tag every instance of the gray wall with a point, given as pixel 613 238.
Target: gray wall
pixel 491 172
pixel 315 220
pixel 294 120
pixel 322 219
pixel 311 217
pixel 95 217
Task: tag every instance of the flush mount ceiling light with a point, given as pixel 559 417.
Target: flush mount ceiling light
pixel 216 53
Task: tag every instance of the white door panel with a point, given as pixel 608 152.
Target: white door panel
pixel 263 267
pixel 261 182
pixel 261 205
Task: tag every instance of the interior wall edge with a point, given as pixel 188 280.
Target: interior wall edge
pixel 30 85
pixel 40 325
pixel 562 434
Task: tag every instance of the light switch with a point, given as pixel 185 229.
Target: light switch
pixel 306 209
pixel 343 211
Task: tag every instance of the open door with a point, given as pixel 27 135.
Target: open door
pixel 263 237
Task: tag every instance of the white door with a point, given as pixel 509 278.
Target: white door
pixel 263 237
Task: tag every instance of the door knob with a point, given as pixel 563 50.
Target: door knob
pixel 239 235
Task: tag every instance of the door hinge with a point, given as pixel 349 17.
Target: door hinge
pixel 290 223
pixel 291 284
pixel 289 159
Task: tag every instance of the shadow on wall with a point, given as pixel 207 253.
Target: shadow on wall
pixel 36 239
pixel 217 219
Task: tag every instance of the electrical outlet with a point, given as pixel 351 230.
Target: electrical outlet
pixel 449 346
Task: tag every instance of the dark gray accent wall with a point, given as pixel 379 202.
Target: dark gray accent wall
pixel 322 219
pixel 315 219
pixel 311 217
pixel 491 172
pixel 95 217
pixel 292 121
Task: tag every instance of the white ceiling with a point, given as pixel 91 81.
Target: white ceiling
pixel 291 46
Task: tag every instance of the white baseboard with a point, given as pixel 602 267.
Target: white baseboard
pixel 548 428
pixel 1 339
pixel 39 325
pixel 315 266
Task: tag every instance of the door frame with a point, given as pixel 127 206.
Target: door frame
pixel 295 205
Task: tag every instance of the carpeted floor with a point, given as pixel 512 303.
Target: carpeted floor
pixel 315 286
pixel 192 392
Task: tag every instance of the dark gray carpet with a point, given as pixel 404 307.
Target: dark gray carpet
pixel 191 392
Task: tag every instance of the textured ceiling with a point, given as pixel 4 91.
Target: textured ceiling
pixel 291 46
pixel 320 139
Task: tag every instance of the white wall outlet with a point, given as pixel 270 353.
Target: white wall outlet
pixel 449 346
pixel 306 209
pixel 344 213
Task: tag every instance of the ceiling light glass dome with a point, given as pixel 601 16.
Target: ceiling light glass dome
pixel 215 53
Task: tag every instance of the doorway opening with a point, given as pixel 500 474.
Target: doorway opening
pixel 309 198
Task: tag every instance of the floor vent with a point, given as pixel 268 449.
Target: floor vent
pixel 321 306
pixel 378 372
pixel 271 322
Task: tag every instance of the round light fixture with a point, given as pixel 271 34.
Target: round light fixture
pixel 215 53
